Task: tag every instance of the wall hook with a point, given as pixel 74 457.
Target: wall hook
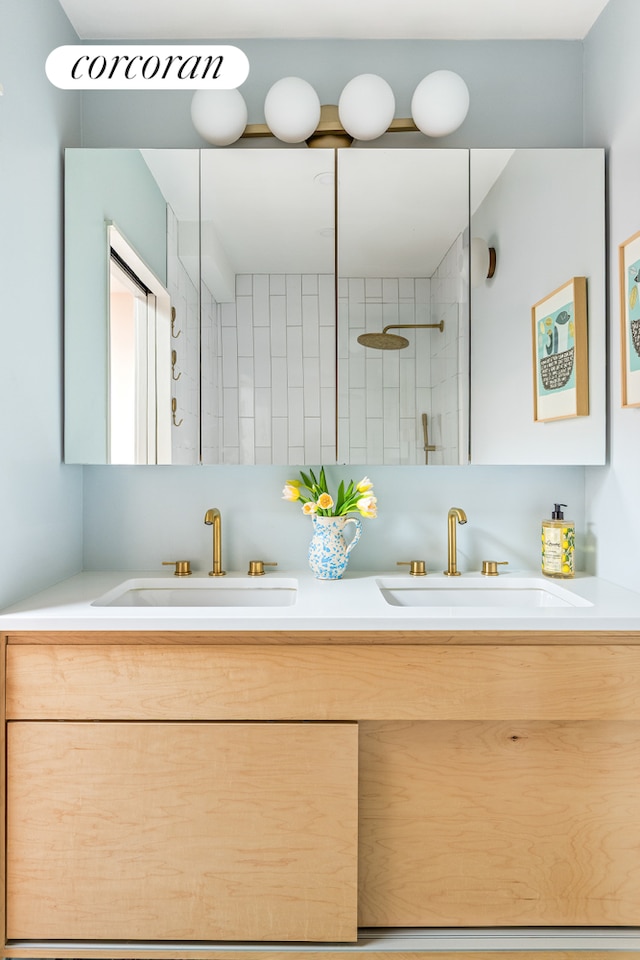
pixel 174 407
pixel 173 324
pixel 174 360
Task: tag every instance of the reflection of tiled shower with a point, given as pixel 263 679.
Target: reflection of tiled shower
pixel 379 392
pixel 383 394
pixel 269 360
pixel 268 370
pixel 449 420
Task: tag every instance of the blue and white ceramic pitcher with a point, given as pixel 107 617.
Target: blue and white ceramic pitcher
pixel 328 550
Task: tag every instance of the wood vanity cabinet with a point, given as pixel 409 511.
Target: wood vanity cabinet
pixel 182 831
pixel 212 787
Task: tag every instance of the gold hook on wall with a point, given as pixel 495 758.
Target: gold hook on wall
pixel 173 324
pixel 174 407
pixel 174 360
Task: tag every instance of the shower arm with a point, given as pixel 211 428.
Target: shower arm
pixel 415 326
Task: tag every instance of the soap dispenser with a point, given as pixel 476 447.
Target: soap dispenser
pixel 558 545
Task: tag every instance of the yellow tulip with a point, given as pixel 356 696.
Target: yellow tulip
pixel 367 507
pixel 324 501
pixel 308 508
pixel 290 492
pixel 364 486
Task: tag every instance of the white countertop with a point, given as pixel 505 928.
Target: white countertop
pixel 353 603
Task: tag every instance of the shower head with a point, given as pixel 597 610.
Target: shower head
pixel 392 341
pixel 383 341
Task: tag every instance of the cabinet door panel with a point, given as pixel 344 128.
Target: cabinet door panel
pixel 182 831
pixel 499 823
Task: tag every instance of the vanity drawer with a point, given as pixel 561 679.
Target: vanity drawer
pixel 322 682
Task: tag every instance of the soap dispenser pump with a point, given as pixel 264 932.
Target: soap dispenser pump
pixel 558 545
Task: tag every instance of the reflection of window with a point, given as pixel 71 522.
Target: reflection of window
pixel 139 359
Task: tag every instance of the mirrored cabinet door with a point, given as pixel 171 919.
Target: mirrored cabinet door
pixel 295 306
pixel 403 371
pixel 132 306
pixel 542 211
pixel 268 306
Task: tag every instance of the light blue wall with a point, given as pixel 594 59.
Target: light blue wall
pixel 40 500
pixel 101 186
pixel 136 517
pixel 545 216
pixel 612 117
pixel 522 94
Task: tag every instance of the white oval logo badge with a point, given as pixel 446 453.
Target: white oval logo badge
pixel 147 67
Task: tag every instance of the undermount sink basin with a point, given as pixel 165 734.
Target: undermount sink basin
pixel 159 592
pixel 520 592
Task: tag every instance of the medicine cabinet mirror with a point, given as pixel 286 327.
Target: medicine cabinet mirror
pixel 268 306
pixel 543 213
pixel 132 306
pixel 403 363
pixel 235 262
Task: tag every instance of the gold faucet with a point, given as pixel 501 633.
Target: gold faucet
pixel 212 517
pixel 456 513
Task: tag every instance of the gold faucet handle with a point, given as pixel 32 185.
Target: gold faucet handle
pixel 183 567
pixel 490 567
pixel 256 567
pixel 416 567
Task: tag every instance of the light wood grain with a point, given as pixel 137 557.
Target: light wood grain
pixel 323 683
pixel 182 832
pixel 499 824
pixel 305 638
pixel 204 953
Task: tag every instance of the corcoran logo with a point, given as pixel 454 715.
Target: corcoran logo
pixel 147 67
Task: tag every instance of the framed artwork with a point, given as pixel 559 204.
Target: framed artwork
pixel 560 353
pixel 629 252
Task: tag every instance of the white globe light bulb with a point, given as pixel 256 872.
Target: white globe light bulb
pixel 219 116
pixel 292 110
pixel 440 103
pixel 366 107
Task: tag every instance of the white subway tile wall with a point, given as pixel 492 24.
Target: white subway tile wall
pixel 269 362
pixel 276 403
pixel 383 394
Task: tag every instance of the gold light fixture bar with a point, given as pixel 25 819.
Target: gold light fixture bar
pixel 329 132
pixel 293 112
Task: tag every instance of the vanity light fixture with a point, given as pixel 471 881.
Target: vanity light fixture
pixel 366 107
pixel 292 110
pixel 365 111
pixel 219 116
